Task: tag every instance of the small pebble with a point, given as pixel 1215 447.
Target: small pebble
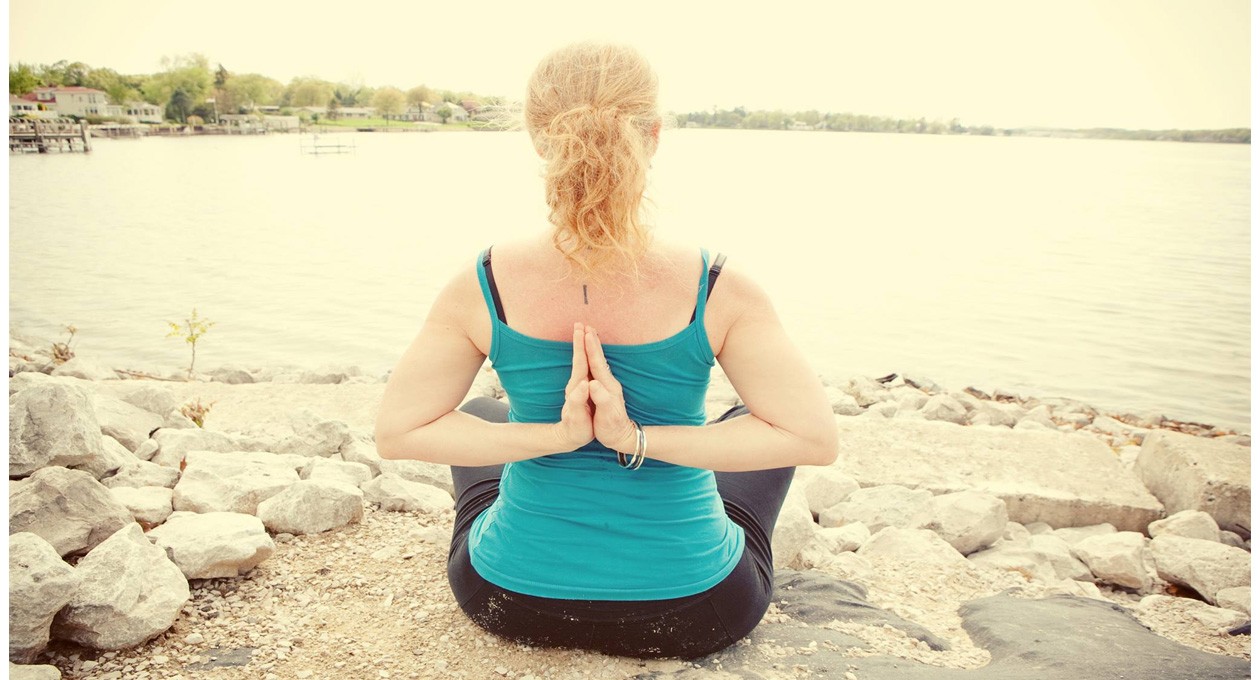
pixel 194 639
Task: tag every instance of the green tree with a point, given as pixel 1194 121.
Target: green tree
pixel 22 78
pixel 334 108
pixel 191 330
pixel 389 101
pixel 444 112
pixel 189 74
pixel 308 91
pixel 251 90
pixel 418 96
pixel 179 106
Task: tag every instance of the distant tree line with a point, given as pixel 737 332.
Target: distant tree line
pixel 188 86
pixel 741 118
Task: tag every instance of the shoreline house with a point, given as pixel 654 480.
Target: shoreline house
pixel 21 106
pixel 458 113
pixel 137 112
pixel 72 101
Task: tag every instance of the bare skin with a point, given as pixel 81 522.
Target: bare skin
pixel 790 421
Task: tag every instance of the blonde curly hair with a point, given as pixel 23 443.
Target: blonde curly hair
pixel 591 111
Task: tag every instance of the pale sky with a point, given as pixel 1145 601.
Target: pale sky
pixel 1008 63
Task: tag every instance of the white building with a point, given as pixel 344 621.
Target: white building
pixel 74 101
pixel 458 113
pixel 136 112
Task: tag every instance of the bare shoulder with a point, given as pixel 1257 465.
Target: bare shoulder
pixel 736 297
pixel 461 304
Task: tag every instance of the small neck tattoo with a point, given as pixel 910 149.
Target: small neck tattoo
pixel 585 300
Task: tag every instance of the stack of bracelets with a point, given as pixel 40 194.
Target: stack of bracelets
pixel 640 450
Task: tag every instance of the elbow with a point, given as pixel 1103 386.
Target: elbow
pixel 387 445
pixel 823 446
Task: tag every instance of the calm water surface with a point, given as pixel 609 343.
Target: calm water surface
pixel 1111 271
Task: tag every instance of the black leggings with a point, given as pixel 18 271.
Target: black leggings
pixel 689 627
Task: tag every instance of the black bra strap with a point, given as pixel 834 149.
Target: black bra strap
pixel 714 270
pixel 494 290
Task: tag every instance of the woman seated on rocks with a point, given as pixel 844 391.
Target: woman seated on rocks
pixel 589 514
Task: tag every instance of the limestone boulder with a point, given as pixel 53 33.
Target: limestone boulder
pixel 361 449
pixel 129 424
pixel 129 592
pixel 1216 619
pixel 315 436
pixel 395 494
pixel 1231 538
pixel 827 543
pixel 232 375
pixel 842 403
pixel 214 544
pixel 878 507
pixel 967 520
pixel 312 507
pixel 1187 523
pixel 1056 552
pixel 865 391
pixel 40 584
pixel 231 482
pixel 1197 473
pixel 1016 557
pixel 994 413
pixel 174 444
pixel 33 672
pixel 67 508
pixel 823 486
pixel 1074 535
pixel 158 401
pixel 793 529
pixel 910 545
pixel 945 408
pixel 1114 558
pixel 1206 566
pixel 150 505
pixel 909 398
pixel 113 457
pixel 354 474
pixel 51 424
pixel 84 369
pixel 420 471
pixel 1062 479
pixel 142 473
pixel 1237 598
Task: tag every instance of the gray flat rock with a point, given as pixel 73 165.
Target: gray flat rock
pixel 1054 638
pixel 1042 476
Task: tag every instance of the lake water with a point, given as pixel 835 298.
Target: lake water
pixel 1116 272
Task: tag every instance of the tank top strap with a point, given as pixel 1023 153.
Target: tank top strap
pixel 708 276
pixel 489 291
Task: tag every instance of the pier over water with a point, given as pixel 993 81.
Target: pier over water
pixel 42 136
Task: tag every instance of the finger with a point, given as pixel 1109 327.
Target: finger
pixel 598 363
pixel 581 371
pixel 600 394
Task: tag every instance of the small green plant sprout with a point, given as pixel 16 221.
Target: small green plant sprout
pixel 61 352
pixel 192 330
pixel 196 411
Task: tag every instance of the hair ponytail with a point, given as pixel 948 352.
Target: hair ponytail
pixel 591 111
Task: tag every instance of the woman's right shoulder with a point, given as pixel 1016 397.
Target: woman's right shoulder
pixel 736 298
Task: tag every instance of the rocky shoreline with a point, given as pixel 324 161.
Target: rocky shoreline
pixel 274 543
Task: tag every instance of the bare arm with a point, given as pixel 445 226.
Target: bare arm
pixel 790 421
pixel 418 418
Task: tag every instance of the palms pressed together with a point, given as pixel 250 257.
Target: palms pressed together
pixel 594 407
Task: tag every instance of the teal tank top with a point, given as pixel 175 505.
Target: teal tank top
pixel 575 525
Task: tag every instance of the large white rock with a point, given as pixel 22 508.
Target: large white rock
pixel 945 408
pixel 823 486
pixel 156 400
pixel 35 672
pixel 84 369
pixel 1187 523
pixel 829 542
pixel 967 520
pixel 793 529
pixel 1074 535
pixel 311 507
pixel 1114 558
pixel 129 424
pixel 865 391
pixel 1042 476
pixel 1206 566
pixel 150 505
pixel 174 444
pixel 214 544
pixel 231 482
pixel 1197 473
pixel 129 592
pixel 910 545
pixel 1057 553
pixel 1016 557
pixel 878 507
pixel 909 398
pixel 113 457
pixel 354 474
pixel 142 473
pixel 51 424
pixel 67 508
pixel 842 404
pixel 433 474
pixel 395 494
pixel 1004 415
pixel 1216 619
pixel 1237 598
pixel 361 449
pixel 40 584
pixel 314 436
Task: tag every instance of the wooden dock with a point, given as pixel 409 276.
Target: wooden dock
pixel 33 135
